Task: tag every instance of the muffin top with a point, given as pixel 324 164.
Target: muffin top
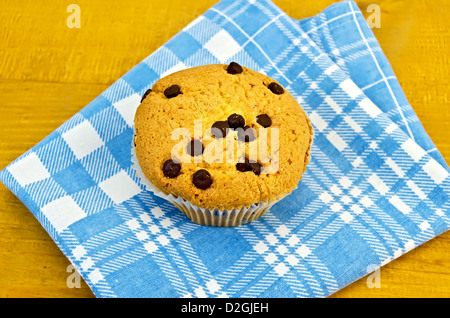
pixel 221 136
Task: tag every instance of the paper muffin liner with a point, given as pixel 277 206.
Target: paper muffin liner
pixel 214 217
pixel 203 216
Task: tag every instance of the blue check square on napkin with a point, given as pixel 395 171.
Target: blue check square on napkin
pixel 376 186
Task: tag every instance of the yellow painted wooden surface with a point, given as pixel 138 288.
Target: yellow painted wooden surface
pixel 48 72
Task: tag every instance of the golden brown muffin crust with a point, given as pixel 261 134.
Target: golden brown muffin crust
pixel 210 94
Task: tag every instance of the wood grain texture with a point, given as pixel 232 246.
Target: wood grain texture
pixel 48 72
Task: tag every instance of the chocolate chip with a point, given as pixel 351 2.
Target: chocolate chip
pixel 249 166
pixel 264 120
pixel 195 148
pixel 234 68
pixel 246 134
pixel 243 166
pixel 148 91
pixel 172 91
pixel 276 88
pixel 202 179
pixel 171 169
pixel 255 167
pixel 220 129
pixel 236 121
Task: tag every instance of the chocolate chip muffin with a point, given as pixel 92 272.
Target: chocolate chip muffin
pixel 221 142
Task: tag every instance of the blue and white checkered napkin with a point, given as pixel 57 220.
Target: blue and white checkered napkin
pixel 376 186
